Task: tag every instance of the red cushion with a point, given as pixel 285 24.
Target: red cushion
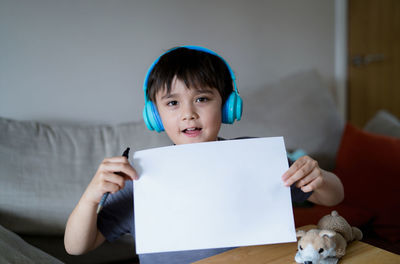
pixel 310 216
pixel 369 167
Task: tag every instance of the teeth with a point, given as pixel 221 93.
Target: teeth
pixel 191 129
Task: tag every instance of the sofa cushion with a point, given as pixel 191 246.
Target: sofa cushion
pixel 367 164
pixel 384 123
pixel 121 250
pixel 300 108
pixel 44 169
pixel 14 249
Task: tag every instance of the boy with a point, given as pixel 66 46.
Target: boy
pixel 188 94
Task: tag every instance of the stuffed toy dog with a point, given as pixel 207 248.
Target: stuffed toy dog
pixel 327 244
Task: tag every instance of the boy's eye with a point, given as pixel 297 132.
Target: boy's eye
pixel 202 99
pixel 172 103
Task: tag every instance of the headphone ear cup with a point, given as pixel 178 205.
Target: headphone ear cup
pixel 228 110
pixel 152 117
pixel 232 109
pixel 159 127
pixel 238 107
pixel 146 117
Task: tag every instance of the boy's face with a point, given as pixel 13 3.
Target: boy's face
pixel 190 115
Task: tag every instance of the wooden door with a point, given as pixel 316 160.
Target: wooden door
pixel 374 58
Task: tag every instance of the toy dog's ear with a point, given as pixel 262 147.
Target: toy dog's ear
pixel 300 233
pixel 328 233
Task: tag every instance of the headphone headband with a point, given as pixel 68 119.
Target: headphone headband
pixel 198 48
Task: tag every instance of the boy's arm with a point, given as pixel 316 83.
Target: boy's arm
pixel 330 192
pixel 81 233
pixel 326 186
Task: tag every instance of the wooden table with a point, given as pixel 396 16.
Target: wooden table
pixel 357 252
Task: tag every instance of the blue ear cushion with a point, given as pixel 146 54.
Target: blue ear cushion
pixel 228 111
pixel 152 118
pixel 232 108
pixel 148 117
pixel 239 107
pixel 159 127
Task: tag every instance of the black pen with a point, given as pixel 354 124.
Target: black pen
pixel 104 198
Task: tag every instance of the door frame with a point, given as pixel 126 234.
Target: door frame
pixel 340 56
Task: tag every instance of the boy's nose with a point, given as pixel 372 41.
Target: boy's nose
pixel 189 113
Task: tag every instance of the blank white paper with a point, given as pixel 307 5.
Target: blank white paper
pixel 212 195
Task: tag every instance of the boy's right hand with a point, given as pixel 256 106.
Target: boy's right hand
pixel 110 177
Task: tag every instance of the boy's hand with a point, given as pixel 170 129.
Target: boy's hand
pixel 110 177
pixel 306 172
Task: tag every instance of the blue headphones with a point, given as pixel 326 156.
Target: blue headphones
pixel 231 110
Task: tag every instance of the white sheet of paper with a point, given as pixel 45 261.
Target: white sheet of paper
pixel 212 195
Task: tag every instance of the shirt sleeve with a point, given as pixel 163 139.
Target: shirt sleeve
pixel 117 216
pixel 298 196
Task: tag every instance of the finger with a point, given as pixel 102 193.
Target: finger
pixel 109 187
pixel 292 169
pixel 123 169
pixel 118 159
pixel 302 172
pixel 115 179
pixel 312 185
pixel 315 173
pixel 127 177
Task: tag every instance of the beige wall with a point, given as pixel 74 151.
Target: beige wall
pixel 85 60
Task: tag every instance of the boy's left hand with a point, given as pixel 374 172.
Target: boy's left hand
pixel 306 172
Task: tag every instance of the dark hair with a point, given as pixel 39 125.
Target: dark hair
pixel 194 68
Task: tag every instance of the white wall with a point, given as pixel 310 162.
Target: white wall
pixel 85 60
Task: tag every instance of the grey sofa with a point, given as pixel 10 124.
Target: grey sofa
pixel 44 168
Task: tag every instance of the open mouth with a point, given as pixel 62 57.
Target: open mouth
pixel 191 130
